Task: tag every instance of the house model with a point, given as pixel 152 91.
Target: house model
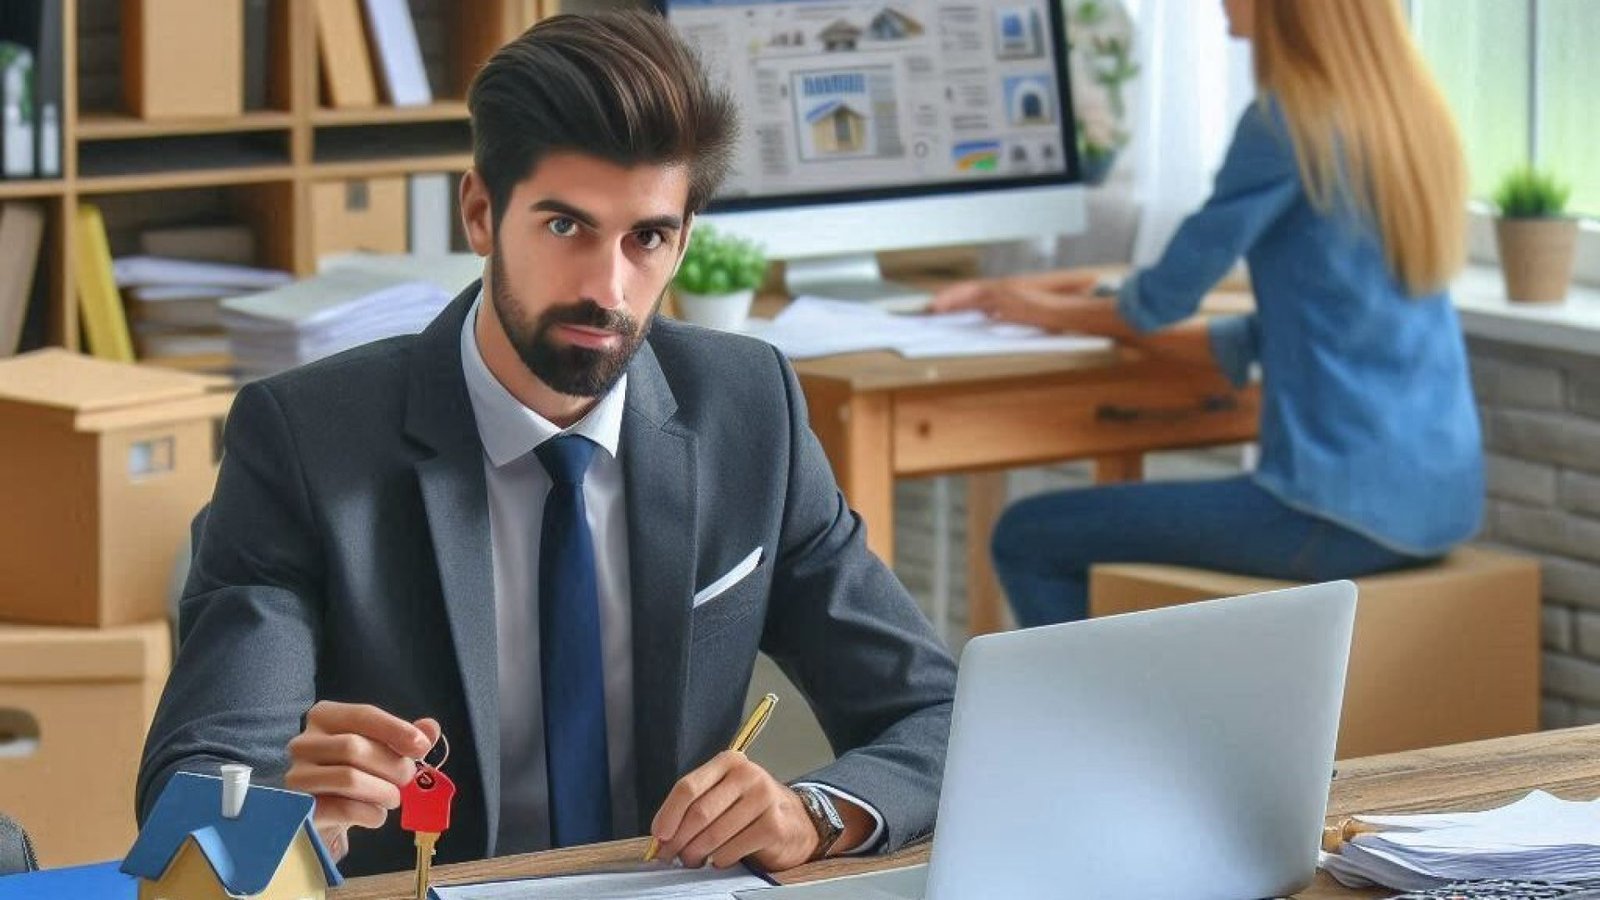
pixel 212 838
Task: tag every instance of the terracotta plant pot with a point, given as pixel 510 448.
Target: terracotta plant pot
pixel 1536 256
pixel 725 312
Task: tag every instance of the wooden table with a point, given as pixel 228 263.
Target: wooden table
pixel 1472 776
pixel 880 416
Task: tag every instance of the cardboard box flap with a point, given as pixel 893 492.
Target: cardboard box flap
pixel 56 379
pixel 36 654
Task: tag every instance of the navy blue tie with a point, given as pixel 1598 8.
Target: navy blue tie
pixel 571 669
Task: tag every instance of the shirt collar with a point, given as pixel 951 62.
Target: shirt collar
pixel 510 430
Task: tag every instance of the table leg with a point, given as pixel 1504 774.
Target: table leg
pixel 1121 467
pixel 986 497
pixel 856 431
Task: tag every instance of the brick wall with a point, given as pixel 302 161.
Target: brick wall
pixel 1541 418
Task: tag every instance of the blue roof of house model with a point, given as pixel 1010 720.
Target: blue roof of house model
pixel 828 109
pixel 245 852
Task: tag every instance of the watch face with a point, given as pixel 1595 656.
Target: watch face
pixel 825 816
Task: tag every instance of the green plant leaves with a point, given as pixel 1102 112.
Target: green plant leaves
pixel 720 264
pixel 1528 193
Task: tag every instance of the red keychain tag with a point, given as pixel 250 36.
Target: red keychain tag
pixel 425 802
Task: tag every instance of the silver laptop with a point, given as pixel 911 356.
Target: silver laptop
pixel 1178 753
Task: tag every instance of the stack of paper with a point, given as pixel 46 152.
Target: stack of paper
pixel 174 306
pixel 1538 838
pixel 656 882
pixel 152 271
pixel 452 272
pixel 811 327
pixel 285 327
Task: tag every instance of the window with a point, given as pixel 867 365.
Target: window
pixel 1520 76
pixel 1569 113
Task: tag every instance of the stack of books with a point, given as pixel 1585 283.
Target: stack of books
pixel 370 50
pixel 22 226
pixel 174 307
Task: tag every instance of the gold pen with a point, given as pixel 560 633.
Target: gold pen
pixel 741 742
pixel 1347 828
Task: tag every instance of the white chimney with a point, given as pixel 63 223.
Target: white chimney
pixel 235 784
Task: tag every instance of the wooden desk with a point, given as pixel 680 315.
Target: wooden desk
pixel 1472 776
pixel 880 416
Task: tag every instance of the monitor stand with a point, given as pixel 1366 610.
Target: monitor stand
pixel 853 277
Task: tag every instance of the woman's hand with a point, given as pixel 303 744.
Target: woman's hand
pixel 961 294
pixel 1065 305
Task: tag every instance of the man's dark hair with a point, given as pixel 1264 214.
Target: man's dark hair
pixel 618 85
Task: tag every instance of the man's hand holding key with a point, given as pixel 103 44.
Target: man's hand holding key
pixel 355 759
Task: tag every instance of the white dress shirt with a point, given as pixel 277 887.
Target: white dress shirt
pixel 517 485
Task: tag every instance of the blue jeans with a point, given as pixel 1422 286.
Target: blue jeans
pixel 1043 545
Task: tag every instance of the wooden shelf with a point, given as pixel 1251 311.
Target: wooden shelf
pixel 401 165
pixel 443 111
pixel 255 168
pixel 190 178
pixel 28 187
pixel 118 126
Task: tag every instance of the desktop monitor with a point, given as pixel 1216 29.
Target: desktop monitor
pixel 871 125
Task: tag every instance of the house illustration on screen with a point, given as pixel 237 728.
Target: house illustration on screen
pixel 841 36
pixel 1019 33
pixel 1029 100
pixel 836 127
pixel 893 25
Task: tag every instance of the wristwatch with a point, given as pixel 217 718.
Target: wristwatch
pixel 824 817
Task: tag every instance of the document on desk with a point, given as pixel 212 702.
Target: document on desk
pixel 1537 838
pixel 811 327
pixel 656 882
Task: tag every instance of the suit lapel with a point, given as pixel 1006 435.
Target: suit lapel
pixel 439 416
pixel 658 464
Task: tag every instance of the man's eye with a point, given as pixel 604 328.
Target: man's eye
pixel 651 240
pixel 563 227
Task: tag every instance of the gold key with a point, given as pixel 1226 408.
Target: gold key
pixel 425 812
pixel 425 842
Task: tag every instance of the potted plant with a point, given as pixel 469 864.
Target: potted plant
pixel 718 279
pixel 1538 240
pixel 1100 45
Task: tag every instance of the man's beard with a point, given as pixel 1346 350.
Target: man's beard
pixel 575 371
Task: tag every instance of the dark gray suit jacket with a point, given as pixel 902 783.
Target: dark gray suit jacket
pixel 346 556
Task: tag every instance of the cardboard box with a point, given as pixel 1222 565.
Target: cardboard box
pixel 183 59
pixel 102 466
pixel 1441 655
pixel 361 215
pixel 75 705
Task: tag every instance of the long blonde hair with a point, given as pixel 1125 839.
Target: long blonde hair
pixel 1370 126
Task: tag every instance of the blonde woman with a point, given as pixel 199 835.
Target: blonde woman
pixel 1344 189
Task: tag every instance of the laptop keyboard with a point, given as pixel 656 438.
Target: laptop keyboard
pixel 1509 890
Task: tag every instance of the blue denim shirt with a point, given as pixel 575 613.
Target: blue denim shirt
pixel 1367 414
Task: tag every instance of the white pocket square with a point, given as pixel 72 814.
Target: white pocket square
pixel 734 575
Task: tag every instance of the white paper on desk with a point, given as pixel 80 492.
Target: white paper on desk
pixel 1539 837
pixel 973 334
pixel 657 882
pixel 811 327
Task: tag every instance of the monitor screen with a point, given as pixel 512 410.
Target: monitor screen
pixel 845 100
